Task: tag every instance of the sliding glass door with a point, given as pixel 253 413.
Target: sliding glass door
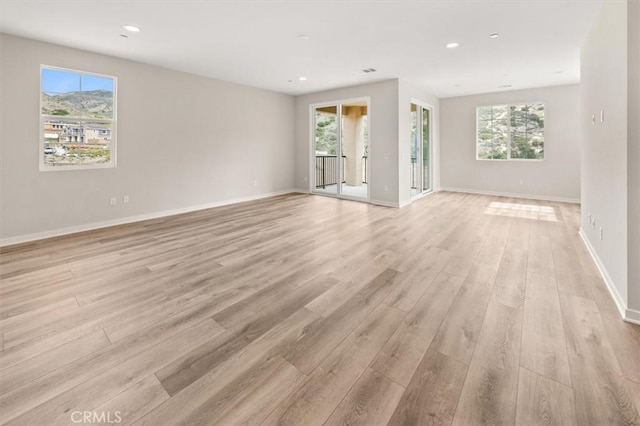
pixel 420 150
pixel 341 149
pixel 426 149
pixel 327 166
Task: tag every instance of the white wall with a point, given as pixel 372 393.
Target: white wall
pixel 183 141
pixel 383 135
pixel 557 177
pixel 407 93
pixel 610 159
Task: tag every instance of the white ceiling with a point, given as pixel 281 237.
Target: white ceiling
pixel 256 42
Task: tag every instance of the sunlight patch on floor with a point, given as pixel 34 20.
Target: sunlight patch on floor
pixel 526 211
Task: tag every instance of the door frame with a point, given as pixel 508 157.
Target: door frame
pixel 312 148
pixel 420 155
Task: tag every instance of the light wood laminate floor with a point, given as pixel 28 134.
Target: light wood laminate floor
pixel 306 310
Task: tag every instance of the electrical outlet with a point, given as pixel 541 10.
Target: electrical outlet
pixel 113 201
pixel 602 116
pixel 521 182
pixel 125 199
pixel 593 119
pixel 601 232
pixel 255 183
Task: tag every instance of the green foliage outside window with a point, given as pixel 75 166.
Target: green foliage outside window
pixel 510 132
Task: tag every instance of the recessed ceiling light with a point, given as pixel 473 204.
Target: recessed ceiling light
pixel 302 78
pixel 303 37
pixel 494 35
pixel 131 28
pixel 505 86
pixel 558 72
pixel 452 45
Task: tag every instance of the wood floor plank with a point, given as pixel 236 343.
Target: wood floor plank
pixel 17 375
pixel 490 389
pixel 634 389
pixel 411 285
pixel 519 235
pixel 247 362
pixel 32 348
pixel 624 337
pixel 510 284
pixel 310 351
pixel 544 349
pixel 490 254
pixel 568 270
pixel 290 294
pixel 601 394
pixel 38 316
pixel 134 402
pixel 432 396
pixel 101 388
pixel 459 331
pixel 540 257
pixel 540 283
pixel 190 367
pixel 370 402
pixel 401 355
pixel 262 398
pixel 542 401
pixel 273 373
pixel 315 399
pixel 47 387
pixel 351 284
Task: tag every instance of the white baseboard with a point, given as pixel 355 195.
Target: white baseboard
pixel 513 195
pixel 384 203
pixel 131 219
pixel 632 316
pixel 627 314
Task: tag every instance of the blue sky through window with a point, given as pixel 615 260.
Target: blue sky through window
pixel 59 81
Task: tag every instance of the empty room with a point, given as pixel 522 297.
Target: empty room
pixel 320 212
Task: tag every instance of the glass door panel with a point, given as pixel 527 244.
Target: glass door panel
pixel 327 165
pixel 354 149
pixel 426 150
pixel 414 151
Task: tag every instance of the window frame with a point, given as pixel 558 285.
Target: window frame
pixel 508 106
pixel 43 117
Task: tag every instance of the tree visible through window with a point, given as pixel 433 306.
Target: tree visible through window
pixel 77 112
pixel 510 132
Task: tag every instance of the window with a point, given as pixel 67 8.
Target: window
pixel 77 120
pixel 510 132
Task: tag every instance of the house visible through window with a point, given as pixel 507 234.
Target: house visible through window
pixel 510 132
pixel 77 119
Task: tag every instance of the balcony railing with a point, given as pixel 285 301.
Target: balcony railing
pixel 327 172
pixel 414 174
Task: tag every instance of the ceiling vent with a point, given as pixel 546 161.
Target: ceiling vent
pixel 368 70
